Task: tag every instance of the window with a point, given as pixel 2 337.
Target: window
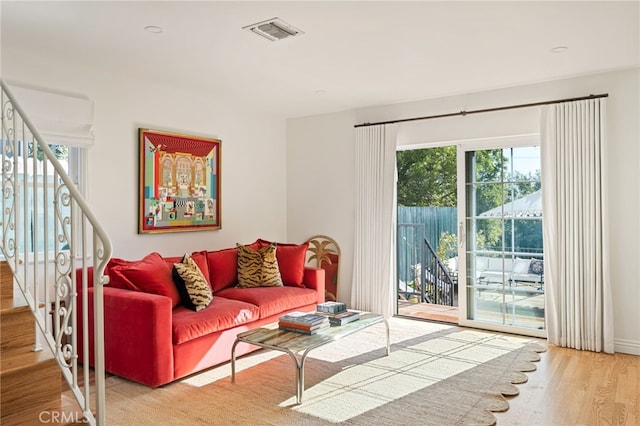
pixel 39 200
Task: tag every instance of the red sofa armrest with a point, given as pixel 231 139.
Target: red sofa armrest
pixel 137 335
pixel 314 278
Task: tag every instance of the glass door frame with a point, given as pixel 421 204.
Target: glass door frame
pixel 463 302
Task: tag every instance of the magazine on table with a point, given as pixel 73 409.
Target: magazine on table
pixel 287 324
pixel 303 331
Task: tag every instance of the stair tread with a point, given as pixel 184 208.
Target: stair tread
pixel 6 281
pixel 32 415
pixel 15 304
pixel 19 358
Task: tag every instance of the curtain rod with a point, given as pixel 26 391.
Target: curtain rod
pixel 477 111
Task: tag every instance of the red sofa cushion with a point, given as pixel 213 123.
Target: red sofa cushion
pixel 223 268
pixel 171 260
pixel 118 280
pixel 200 257
pixel 272 300
pixel 221 314
pixel 151 274
pixel 291 258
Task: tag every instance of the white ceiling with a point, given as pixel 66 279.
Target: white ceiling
pixel 353 54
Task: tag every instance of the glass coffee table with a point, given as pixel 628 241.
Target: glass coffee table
pixel 298 345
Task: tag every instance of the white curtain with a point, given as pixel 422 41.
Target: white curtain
pixel 374 247
pixel 577 286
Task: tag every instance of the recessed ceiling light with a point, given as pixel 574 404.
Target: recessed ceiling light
pixel 559 49
pixel 154 29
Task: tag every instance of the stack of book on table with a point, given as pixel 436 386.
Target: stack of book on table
pixel 337 313
pixel 331 307
pixel 303 322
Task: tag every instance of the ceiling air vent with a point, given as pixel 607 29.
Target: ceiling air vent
pixel 273 29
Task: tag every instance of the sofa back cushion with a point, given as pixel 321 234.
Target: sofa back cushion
pixel 223 268
pixel 118 280
pixel 151 274
pixel 115 280
pixel 291 258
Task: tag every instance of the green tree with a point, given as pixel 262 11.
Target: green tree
pixel 60 151
pixel 488 169
pixel 524 184
pixel 427 177
pixel 447 246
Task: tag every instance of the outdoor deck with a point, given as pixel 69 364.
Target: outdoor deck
pixel 428 311
pixel 524 308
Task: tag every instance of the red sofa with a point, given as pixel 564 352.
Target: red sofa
pixel 151 338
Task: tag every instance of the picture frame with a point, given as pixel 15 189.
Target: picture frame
pixel 179 182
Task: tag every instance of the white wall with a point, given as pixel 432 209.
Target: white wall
pixel 320 184
pixel 321 159
pixel 253 154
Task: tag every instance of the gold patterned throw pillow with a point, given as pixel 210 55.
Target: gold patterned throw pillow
pixel 192 285
pixel 258 268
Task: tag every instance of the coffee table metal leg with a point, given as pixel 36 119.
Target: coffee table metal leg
pixel 233 361
pixel 386 324
pixel 302 361
pixel 299 375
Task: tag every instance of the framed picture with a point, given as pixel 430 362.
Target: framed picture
pixel 179 182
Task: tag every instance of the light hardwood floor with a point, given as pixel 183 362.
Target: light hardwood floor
pixel 570 387
pixel 573 387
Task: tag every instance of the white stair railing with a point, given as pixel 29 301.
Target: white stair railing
pixel 47 233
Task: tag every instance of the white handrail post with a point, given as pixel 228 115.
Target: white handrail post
pixel 98 312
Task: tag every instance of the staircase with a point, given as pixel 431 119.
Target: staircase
pixel 422 276
pixel 31 380
pixel 47 233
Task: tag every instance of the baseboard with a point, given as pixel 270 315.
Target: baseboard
pixel 631 347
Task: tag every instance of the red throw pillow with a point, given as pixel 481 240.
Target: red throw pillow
pixel 200 257
pixel 257 244
pixel 223 268
pixel 291 259
pixel 118 280
pixel 171 260
pixel 150 275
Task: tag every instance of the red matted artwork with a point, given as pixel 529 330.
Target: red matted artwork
pixel 179 182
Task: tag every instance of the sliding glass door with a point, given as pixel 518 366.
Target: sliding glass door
pixel 500 240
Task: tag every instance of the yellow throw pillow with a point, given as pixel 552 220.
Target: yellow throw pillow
pixel 258 268
pixel 192 285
